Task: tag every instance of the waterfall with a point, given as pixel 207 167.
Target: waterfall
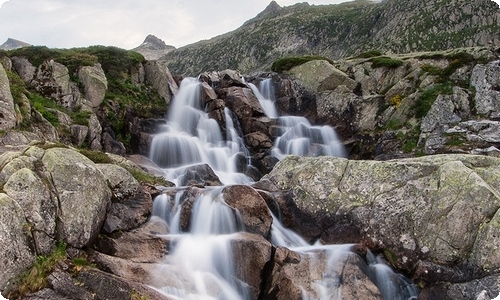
pixel 201 225
pixel 192 138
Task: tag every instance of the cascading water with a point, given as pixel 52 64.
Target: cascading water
pixel 191 138
pixel 200 263
pixel 297 135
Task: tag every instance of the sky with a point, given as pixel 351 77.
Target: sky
pixel 126 23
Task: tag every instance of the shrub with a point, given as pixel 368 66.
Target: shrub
pixel 428 96
pixel 97 156
pixel 396 100
pixel 41 104
pixel 385 61
pixel 286 63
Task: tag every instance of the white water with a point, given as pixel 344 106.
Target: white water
pixel 200 264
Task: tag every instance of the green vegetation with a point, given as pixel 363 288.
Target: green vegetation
pixel 97 157
pixel 286 63
pixel 428 96
pixel 385 61
pixel 144 177
pixel 36 278
pixel 41 104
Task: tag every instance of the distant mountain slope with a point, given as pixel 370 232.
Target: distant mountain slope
pixel 11 44
pixel 342 30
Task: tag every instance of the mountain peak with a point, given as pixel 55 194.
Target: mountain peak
pixel 153 48
pixel 270 11
pixel 11 44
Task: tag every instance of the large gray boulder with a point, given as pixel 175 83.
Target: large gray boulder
pixel 83 195
pixel 24 68
pixel 7 111
pixel 441 209
pixel 320 75
pixel 94 83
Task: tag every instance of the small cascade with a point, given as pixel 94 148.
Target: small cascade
pixel 200 265
pixel 191 138
pixel 265 95
pixel 297 136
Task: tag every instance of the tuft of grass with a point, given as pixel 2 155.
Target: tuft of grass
pixel 144 177
pixel 428 96
pixel 286 63
pixel 97 157
pixel 385 61
pixel 36 278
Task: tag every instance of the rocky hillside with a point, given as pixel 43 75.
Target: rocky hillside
pixel 11 44
pixel 342 30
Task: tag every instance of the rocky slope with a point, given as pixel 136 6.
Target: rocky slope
pixel 11 44
pixel 342 30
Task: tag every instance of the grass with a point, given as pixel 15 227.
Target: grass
pixel 96 156
pixel 36 278
pixel 144 177
pixel 386 62
pixel 428 96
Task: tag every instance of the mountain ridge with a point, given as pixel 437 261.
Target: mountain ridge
pixel 342 30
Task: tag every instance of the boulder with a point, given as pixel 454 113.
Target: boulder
pixel 242 102
pixel 39 208
pixel 486 78
pixel 16 253
pixel 251 207
pixel 94 134
pixel 7 112
pixel 158 75
pixel 83 195
pixel 24 68
pixel 199 175
pixel 320 75
pixel 94 83
pixel 437 208
pixel 43 128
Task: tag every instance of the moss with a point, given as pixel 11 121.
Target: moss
pixel 286 63
pixel 144 177
pixel 96 156
pixel 385 61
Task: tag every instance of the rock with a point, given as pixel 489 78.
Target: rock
pixel 242 102
pixel 158 75
pixel 43 128
pixel 39 208
pixel 16 253
pixel 483 288
pixel 258 140
pixel 79 134
pixel 110 145
pixel 52 81
pixel 431 208
pixel 94 83
pixel 94 135
pixel 230 78
pixel 7 112
pixel 24 68
pixel 320 75
pixel 251 207
pixel 486 78
pixel 131 205
pixel 199 175
pixel 83 202
pixel 250 270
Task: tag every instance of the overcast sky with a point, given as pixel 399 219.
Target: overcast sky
pixel 125 23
